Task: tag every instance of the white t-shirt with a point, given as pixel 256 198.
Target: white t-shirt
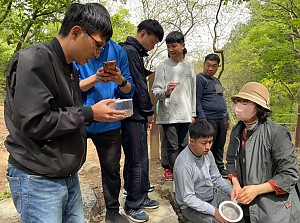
pixel 180 106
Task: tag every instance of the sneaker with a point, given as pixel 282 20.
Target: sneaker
pixel 136 215
pixel 151 187
pixel 150 204
pixel 115 217
pixel 168 175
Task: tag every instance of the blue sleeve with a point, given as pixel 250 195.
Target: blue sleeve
pixel 84 70
pixel 199 94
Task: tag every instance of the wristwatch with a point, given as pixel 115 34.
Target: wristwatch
pixel 123 84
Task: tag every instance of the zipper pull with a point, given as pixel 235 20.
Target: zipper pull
pixel 72 83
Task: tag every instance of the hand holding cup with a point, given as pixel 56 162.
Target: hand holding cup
pixel 170 88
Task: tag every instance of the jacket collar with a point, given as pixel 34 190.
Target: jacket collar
pixel 141 50
pixel 68 68
pixel 240 126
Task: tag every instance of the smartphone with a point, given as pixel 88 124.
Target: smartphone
pixel 109 65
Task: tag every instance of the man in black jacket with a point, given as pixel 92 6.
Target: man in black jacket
pixel 134 129
pixel 46 121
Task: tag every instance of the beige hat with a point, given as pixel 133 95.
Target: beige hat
pixel 256 93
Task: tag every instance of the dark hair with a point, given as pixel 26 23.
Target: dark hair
pixel 201 128
pixel 152 26
pixel 92 17
pixel 212 57
pixel 262 113
pixel 176 37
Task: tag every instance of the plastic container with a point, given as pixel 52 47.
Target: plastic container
pixel 124 105
pixel 231 211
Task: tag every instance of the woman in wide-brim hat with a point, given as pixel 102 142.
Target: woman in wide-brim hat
pixel 261 162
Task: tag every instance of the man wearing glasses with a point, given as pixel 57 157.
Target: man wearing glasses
pixel 211 106
pixel 46 121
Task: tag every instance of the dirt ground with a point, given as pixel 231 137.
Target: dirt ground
pixel 3 152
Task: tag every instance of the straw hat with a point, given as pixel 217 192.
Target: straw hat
pixel 256 93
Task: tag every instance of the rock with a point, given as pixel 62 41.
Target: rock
pixel 8 212
pixel 90 204
pixel 163 214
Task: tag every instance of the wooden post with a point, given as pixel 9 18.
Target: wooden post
pixel 297 138
pixel 154 133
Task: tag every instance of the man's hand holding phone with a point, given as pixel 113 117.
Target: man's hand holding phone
pixel 110 73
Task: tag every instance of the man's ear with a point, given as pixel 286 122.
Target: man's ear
pixel 143 33
pixel 76 30
pixel 192 141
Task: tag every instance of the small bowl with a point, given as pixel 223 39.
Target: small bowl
pixel 124 105
pixel 231 211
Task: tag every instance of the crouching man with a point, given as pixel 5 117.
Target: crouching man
pixel 197 177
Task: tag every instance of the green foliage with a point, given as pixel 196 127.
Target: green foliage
pixel 121 25
pixel 27 22
pixel 4 194
pixel 235 1
pixel 263 50
pixel 24 23
pixel 5 53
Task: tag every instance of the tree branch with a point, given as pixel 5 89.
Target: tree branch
pixel 6 12
pixel 215 38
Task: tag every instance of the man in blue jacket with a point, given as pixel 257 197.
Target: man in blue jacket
pixel 106 136
pixel 96 85
pixel 134 129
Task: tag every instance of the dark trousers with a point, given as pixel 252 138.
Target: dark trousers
pixel 220 126
pixel 163 149
pixel 176 136
pixel 197 217
pixel 108 147
pixel 136 167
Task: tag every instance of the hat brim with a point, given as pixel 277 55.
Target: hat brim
pixel 250 98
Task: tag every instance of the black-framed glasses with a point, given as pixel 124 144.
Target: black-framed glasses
pixel 241 101
pixel 99 46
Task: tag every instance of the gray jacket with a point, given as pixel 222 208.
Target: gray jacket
pixel 269 155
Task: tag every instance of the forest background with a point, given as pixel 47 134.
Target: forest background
pixel 257 40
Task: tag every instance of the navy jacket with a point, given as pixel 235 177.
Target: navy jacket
pixel 142 106
pixel 210 102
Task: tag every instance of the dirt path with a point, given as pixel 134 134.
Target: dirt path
pixel 3 152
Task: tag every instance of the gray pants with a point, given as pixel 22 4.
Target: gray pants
pixel 198 217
